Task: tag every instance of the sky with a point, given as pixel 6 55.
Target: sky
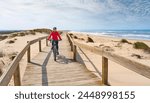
pixel 74 14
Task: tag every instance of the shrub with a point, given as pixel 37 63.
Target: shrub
pixel 141 45
pixel 137 56
pixel 3 37
pixel 12 55
pixel 81 38
pixel 101 45
pixel 71 35
pixel 27 32
pixel 21 34
pixel 13 35
pixel 15 38
pixel 10 41
pixel 75 37
pixel 107 48
pixel 90 40
pixel 32 33
pixel 125 41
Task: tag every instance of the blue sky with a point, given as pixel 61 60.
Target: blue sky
pixel 75 14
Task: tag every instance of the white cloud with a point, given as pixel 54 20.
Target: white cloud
pixel 20 14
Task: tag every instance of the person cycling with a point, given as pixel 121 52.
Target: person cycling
pixel 55 36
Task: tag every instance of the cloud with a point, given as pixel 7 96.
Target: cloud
pixel 75 14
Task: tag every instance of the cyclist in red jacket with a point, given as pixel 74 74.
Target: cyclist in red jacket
pixel 55 36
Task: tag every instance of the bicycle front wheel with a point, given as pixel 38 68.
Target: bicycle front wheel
pixel 55 52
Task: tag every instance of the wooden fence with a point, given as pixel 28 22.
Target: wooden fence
pixel 14 68
pixel 130 64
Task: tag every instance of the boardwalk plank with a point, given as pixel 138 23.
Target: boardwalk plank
pixel 43 70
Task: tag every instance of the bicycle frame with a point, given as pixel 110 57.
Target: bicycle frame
pixel 55 51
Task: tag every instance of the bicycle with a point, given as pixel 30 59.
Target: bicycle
pixel 54 48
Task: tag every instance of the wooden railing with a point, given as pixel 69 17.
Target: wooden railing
pixel 130 64
pixel 14 68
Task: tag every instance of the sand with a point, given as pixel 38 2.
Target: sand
pixel 118 75
pixel 9 49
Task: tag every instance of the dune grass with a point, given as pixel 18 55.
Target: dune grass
pixel 75 37
pixel 90 40
pixel 141 45
pixel 125 41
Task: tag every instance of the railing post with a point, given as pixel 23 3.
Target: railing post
pixel 17 77
pixel 28 54
pixel 40 46
pixel 1 72
pixel 71 43
pixel 74 52
pixel 69 39
pixel 104 70
pixel 46 42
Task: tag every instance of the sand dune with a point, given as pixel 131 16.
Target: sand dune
pixel 118 75
pixel 8 49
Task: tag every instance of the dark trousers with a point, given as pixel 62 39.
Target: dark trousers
pixel 56 42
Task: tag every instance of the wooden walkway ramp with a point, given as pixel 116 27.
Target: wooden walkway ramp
pixel 44 71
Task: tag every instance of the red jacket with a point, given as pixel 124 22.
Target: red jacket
pixel 55 35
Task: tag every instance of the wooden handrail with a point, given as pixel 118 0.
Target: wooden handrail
pixel 13 68
pixel 36 40
pixel 130 64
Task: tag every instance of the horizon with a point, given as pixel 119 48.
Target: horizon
pixel 75 14
pixel 83 29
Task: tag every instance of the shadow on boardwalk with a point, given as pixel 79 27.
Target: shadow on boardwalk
pixel 44 70
pixel 61 59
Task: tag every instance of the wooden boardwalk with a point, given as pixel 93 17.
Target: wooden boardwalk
pixel 44 71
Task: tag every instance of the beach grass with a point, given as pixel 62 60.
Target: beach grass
pixel 75 37
pixel 141 45
pixel 90 40
pixel 125 41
